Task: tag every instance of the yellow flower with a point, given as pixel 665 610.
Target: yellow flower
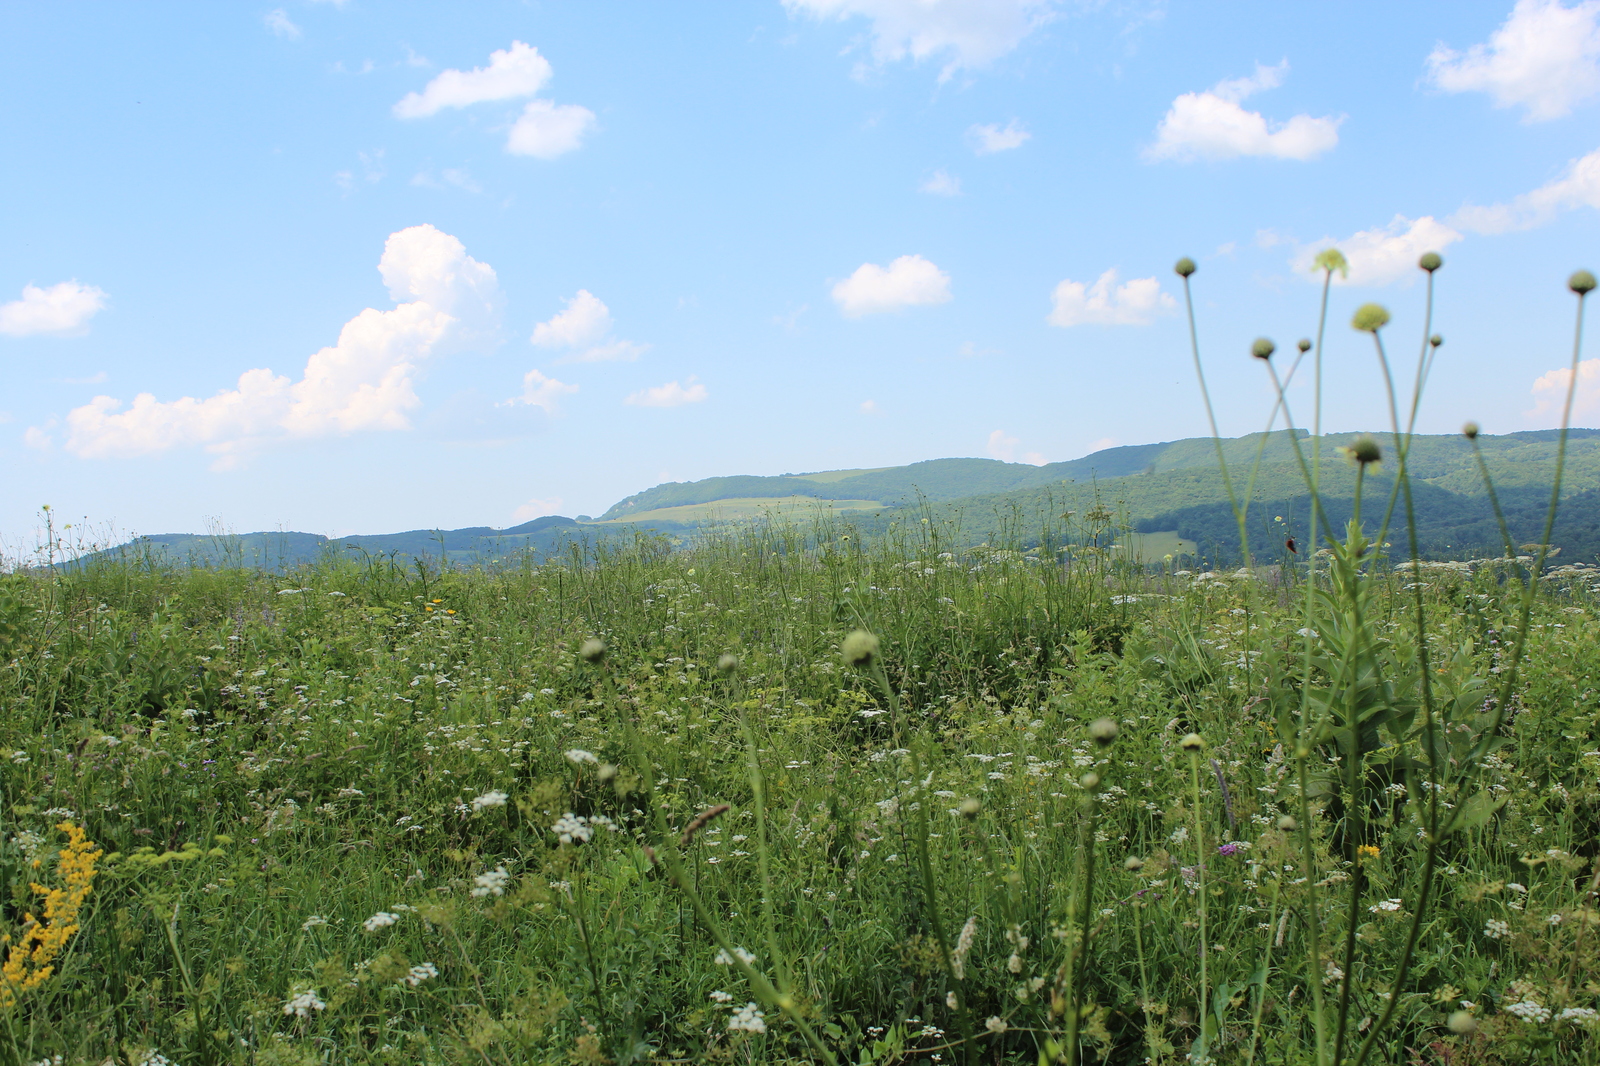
pixel 1367 851
pixel 31 961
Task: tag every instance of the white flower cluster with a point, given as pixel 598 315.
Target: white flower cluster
pixel 748 1019
pixel 996 1024
pixel 1584 1016
pixel 573 827
pixel 578 757
pixel 1530 1011
pixel 302 1005
pixel 494 798
pixel 1386 906
pixel 721 996
pixel 312 922
pixel 491 883
pixel 746 957
pixel 420 973
pixel 958 957
pixel 1495 929
pixel 379 920
pixel 154 1058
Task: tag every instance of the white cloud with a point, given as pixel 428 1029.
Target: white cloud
pixel 1578 186
pixel 941 184
pixel 546 130
pixel 1105 303
pixel 511 73
pixel 1212 125
pixel 1101 445
pixel 277 20
pixel 1003 446
pixel 584 329
pixel 910 281
pixel 1545 58
pixel 1550 391
pixel 969 33
pixel 37 439
pixel 1383 254
pixel 449 177
pixel 536 508
pixel 63 308
pixel 870 407
pixel 542 392
pixel 672 394
pixel 988 139
pixel 364 382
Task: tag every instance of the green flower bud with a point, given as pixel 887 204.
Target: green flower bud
pixel 1435 340
pixel 1090 781
pixel 1462 1022
pixel 1193 742
pixel 1133 864
pixel 1365 450
pixel 1430 261
pixel 1263 348
pixel 1103 731
pixel 1304 344
pixel 1370 318
pixel 1184 267
pixel 1288 824
pixel 859 648
pixel 1331 259
pixel 592 650
pixel 728 663
pixel 1581 282
pixel 970 807
pixel 1470 431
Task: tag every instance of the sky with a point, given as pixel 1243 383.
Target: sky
pixel 357 267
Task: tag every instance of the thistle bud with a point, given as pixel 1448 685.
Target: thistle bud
pixel 592 650
pixel 1304 344
pixel 1263 348
pixel 1133 864
pixel 1430 261
pixel 1470 431
pixel 728 663
pixel 1089 781
pixel 1462 1022
pixel 1435 340
pixel 970 807
pixel 1193 743
pixel 1365 450
pixel 1288 824
pixel 1581 282
pixel 1370 318
pixel 859 648
pixel 1184 267
pixel 1103 731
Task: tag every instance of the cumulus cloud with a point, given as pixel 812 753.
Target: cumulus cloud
pixel 546 130
pixel 512 73
pixel 63 308
pixel 1213 125
pixel 672 394
pixel 364 382
pixel 941 184
pixel 1105 303
pixel 909 281
pixel 1383 254
pixel 584 331
pixel 1578 186
pixel 1550 391
pixel 277 20
pixel 1545 58
pixel 991 138
pixel 542 392
pixel 966 33
pixel 1003 446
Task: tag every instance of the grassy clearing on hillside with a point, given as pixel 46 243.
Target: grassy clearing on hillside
pixel 742 508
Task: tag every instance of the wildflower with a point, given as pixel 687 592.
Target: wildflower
pixel 721 996
pixel 420 973
pixel 301 1006
pixel 491 883
pixel 1133 864
pixel 746 957
pixel 950 1000
pixel 1435 340
pixel 1365 450
pixel 748 1019
pixel 727 663
pixel 859 648
pixel 312 922
pixel 31 960
pixel 996 1024
pixel 1103 731
pixel 1386 906
pixel 1193 742
pixel 1554 919
pixel 1287 823
pixel 1470 431
pixel 1462 1022
pixel 1430 261
pixel 577 756
pixel 1184 267
pixel 1370 318
pixel 1331 259
pixel 154 1058
pixel 1530 1010
pixel 592 650
pixel 1495 929
pixel 1584 1016
pixel 970 807
pixel 958 957
pixel 1179 835
pixel 1229 849
pixel 1581 282
pixel 1367 851
pixel 379 921
pixel 1304 344
pixel 495 798
pixel 1014 963
pixel 570 827
pixel 1263 348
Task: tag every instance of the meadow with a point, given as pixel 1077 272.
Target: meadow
pixel 794 794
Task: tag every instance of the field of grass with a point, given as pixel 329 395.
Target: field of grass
pixel 1154 546
pixel 740 508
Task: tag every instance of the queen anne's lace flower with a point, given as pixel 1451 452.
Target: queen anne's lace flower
pixel 491 883
pixel 569 827
pixel 746 957
pixel 748 1019
pixel 420 973
pixel 1530 1011
pixel 1495 929
pixel 379 920
pixel 301 1006
pixel 495 798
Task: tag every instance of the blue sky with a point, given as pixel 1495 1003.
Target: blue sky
pixel 362 266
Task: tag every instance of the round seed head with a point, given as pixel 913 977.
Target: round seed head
pixel 1133 864
pixel 592 650
pixel 1288 824
pixel 1103 731
pixel 1184 267
pixel 970 807
pixel 1435 340
pixel 1304 344
pixel 728 663
pixel 1462 1022
pixel 1470 431
pixel 607 772
pixel 1263 348
pixel 1430 261
pixel 1365 450
pixel 859 648
pixel 1370 318
pixel 1331 259
pixel 1090 781
pixel 1193 742
pixel 1581 282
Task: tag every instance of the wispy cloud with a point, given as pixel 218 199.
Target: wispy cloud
pixel 672 394
pixel 1003 446
pixel 967 34
pixel 277 20
pixel 941 184
pixel 991 138
pixel 1577 187
pixel 1545 59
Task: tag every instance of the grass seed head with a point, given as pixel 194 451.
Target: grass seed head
pixel 859 648
pixel 700 821
pixel 1370 318
pixel 1184 267
pixel 1581 282
pixel 1103 731
pixel 592 650
pixel 1430 261
pixel 1263 348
